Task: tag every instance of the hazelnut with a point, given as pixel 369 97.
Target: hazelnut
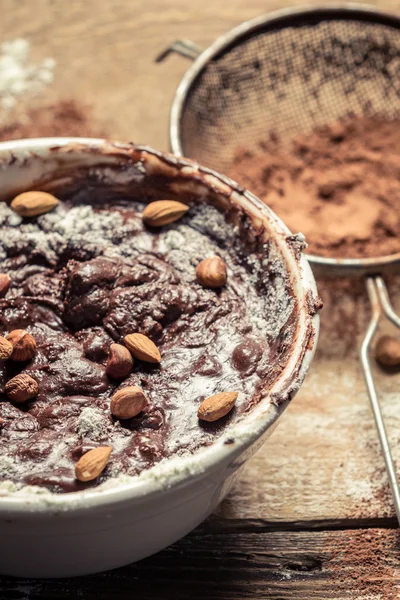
pixel 5 281
pixel 21 388
pixel 387 351
pixel 211 272
pixel 23 343
pixel 120 362
pixel 6 348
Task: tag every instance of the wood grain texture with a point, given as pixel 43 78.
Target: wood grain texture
pixel 281 566
pixel 283 533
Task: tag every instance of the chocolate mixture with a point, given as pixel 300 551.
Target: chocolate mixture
pixel 339 185
pixel 90 272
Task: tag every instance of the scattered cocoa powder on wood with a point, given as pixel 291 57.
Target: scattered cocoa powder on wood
pixel 364 563
pixel 66 118
pixel 339 185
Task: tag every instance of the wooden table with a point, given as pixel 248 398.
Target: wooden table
pixel 311 517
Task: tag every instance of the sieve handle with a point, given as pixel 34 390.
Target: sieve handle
pixel 185 48
pixel 380 304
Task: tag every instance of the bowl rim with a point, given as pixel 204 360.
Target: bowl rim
pixel 173 472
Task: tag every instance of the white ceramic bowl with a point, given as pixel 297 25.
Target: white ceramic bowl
pixel 50 535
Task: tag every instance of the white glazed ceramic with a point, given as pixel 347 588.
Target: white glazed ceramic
pixel 49 535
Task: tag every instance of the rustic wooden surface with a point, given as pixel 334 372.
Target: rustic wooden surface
pixel 255 564
pixel 311 517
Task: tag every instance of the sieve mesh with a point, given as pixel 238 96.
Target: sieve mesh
pixel 287 77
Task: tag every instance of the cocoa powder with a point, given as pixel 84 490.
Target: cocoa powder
pixel 364 563
pixel 63 118
pixel 339 185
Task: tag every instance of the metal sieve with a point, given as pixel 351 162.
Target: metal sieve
pixel 289 72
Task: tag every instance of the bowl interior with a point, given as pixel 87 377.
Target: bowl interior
pixel 65 166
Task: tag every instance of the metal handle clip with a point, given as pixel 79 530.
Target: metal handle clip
pixel 185 48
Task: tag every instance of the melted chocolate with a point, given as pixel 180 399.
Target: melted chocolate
pixel 89 273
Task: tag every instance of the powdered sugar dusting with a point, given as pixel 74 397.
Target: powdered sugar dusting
pixel 19 78
pixel 92 424
pixel 8 465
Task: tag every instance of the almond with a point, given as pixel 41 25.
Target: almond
pixel 142 348
pixel 91 464
pixel 387 351
pixel 6 348
pixel 21 388
pixel 4 284
pixel 128 402
pixel 23 343
pixel 33 204
pixel 217 406
pixel 162 212
pixel 120 362
pixel 211 272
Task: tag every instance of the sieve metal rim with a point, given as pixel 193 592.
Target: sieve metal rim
pixel 339 267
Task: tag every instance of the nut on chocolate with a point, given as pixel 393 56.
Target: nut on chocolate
pixel 120 362
pixel 217 406
pixel 6 348
pixel 211 272
pixel 142 347
pixel 33 204
pixel 163 212
pixel 128 402
pixel 21 388
pixel 93 463
pixel 5 281
pixel 24 345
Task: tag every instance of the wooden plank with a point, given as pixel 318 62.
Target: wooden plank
pixel 323 461
pixel 281 566
pixel 105 54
